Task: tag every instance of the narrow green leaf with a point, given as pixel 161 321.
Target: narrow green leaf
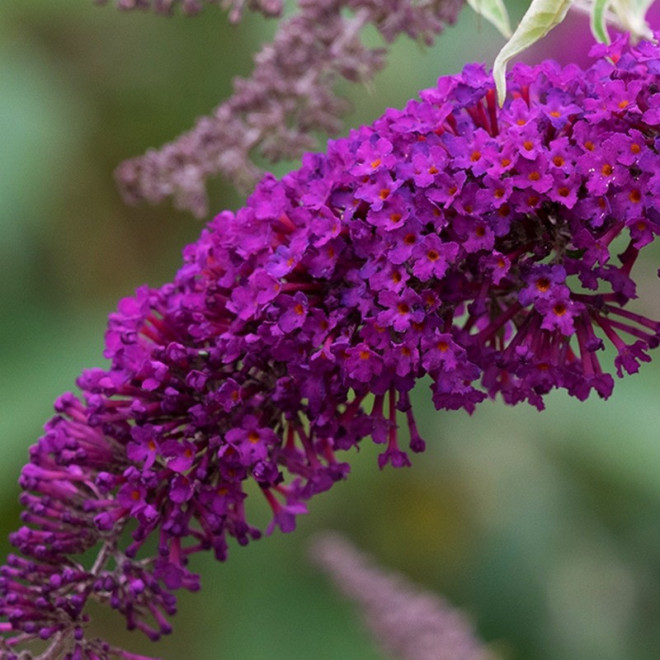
pixel 540 18
pixel 631 14
pixel 598 22
pixel 643 5
pixel 494 12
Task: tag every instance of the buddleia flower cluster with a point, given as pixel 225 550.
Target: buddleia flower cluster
pixel 407 622
pixel 487 249
pixel 288 100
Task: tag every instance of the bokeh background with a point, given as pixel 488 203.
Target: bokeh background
pixel 543 527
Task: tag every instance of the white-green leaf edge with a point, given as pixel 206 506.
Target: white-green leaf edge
pixel 632 16
pixel 494 12
pixel 539 19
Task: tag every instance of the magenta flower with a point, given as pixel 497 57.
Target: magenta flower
pixel 423 245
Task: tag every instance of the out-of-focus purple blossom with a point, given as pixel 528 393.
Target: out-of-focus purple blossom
pixel 288 100
pixel 298 325
pixel 405 622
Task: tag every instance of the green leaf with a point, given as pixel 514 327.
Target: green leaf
pixel 494 12
pixel 540 18
pixel 598 21
pixel 632 17
pixel 643 5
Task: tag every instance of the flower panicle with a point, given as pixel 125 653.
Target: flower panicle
pixel 489 249
pixel 288 100
pixel 405 621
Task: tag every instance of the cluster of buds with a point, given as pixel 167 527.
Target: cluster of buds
pixel 406 622
pixel 452 239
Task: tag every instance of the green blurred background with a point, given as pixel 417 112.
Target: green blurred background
pixel 544 528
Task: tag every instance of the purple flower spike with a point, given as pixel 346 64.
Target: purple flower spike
pixel 423 245
pixel 405 622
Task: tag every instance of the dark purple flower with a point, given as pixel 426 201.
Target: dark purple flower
pixel 295 330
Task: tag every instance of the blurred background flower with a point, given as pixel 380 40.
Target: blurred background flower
pixel 543 527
